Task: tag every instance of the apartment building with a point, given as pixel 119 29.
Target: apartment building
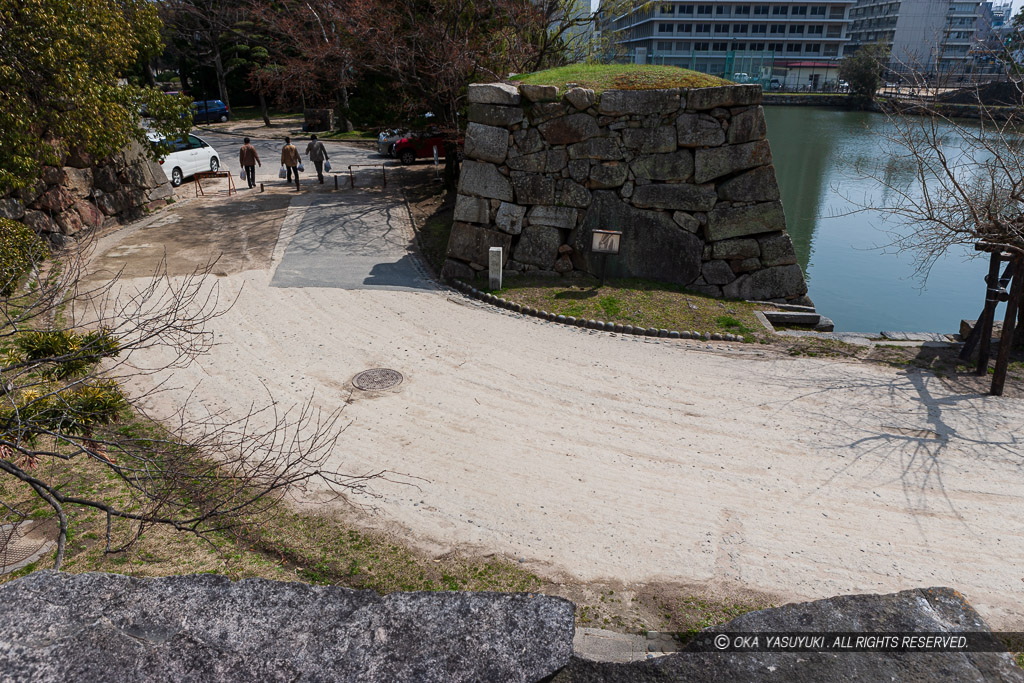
pixel 926 36
pixel 755 38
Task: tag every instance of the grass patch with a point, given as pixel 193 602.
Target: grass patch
pixel 640 303
pixel 350 135
pixel 601 77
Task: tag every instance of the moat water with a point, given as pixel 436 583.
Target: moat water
pixel 851 276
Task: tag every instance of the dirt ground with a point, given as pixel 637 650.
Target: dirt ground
pixel 644 467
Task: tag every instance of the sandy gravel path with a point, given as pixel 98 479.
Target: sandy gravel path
pixel 610 457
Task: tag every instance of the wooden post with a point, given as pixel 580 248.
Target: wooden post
pixel 1006 340
pixel 984 325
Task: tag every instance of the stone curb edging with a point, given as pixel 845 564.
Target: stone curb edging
pixel 600 325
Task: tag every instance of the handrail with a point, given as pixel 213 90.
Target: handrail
pixel 352 178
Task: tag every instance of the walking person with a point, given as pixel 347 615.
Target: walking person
pixel 290 160
pixel 248 158
pixel 317 153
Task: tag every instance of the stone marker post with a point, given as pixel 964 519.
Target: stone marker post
pixel 494 267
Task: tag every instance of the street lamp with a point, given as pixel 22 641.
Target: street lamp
pixel 206 105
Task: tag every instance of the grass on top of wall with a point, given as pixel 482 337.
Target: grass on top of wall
pixel 601 77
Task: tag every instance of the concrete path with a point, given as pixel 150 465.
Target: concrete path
pixel 607 457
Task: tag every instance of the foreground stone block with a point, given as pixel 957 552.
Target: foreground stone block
pixel 639 101
pixel 738 221
pixel 539 93
pixel 486 143
pixel 106 627
pixel 538 246
pixel 494 114
pixel 484 180
pixel 675 196
pixel 719 161
pixel 727 96
pixel 675 166
pixel 934 610
pixel 472 209
pixel 566 130
pixel 493 93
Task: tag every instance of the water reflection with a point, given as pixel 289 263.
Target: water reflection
pixel 820 156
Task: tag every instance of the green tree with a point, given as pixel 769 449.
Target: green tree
pixel 62 64
pixel 863 71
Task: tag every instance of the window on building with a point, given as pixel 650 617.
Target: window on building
pixel 664 28
pixel 721 28
pixel 684 28
pixel 778 28
pixel 831 50
pixel 703 28
pixel 740 28
pixel 796 29
pixel 813 47
pixel 761 9
pixel 686 9
pixel 702 47
pixel 668 9
pixel 703 9
pixel 836 12
pixel 744 9
pixel 719 47
pixel 799 11
pixel 683 47
pixel 664 46
pixel 815 30
pixel 834 32
pixel 722 9
pixel 793 47
pixel 759 28
pixel 775 47
pixel 818 11
pixel 780 10
pixel 757 47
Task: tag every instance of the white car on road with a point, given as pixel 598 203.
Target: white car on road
pixel 187 157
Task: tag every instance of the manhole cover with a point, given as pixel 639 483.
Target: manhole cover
pixel 377 379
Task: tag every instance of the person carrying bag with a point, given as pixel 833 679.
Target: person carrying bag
pixel 248 158
pixel 317 153
pixel 290 161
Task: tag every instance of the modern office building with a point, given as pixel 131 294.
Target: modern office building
pixel 924 36
pixel 756 40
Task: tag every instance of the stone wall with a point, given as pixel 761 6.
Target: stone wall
pixel 685 174
pixel 86 194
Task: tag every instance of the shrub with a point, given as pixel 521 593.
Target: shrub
pixel 20 248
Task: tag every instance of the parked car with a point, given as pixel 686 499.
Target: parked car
pixel 741 77
pixel 205 111
pixel 187 156
pixel 386 140
pixel 421 146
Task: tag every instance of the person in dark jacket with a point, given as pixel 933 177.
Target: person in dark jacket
pixel 248 158
pixel 317 153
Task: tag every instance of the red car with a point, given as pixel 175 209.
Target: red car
pixel 421 146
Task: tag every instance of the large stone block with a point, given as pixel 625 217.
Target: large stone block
pixel 640 102
pixel 510 218
pixel 534 188
pixel 111 203
pixel 456 270
pixel 699 130
pixel 702 99
pixel 777 250
pixel 484 180
pixel 606 149
pixel 55 200
pixel 780 282
pixel 39 221
pixel 747 126
pixel 553 216
pixel 164 191
pixel 493 93
pixel 738 221
pixel 494 115
pixel 12 208
pixel 528 141
pixel 486 143
pixel 570 193
pixel 607 175
pixel 758 185
pixel 78 181
pixel 652 245
pixel 650 140
pixel 472 209
pixel 539 93
pixel 545 111
pixel 547 161
pixel 471 243
pixel 580 98
pixel 91 216
pixel 538 246
pixel 569 129
pixel 737 249
pixel 717 273
pixel 105 178
pixel 579 170
pixel 676 196
pixel 719 161
pixel 69 222
pixel 675 166
pixel 107 627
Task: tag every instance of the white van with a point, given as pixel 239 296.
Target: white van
pixel 188 156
